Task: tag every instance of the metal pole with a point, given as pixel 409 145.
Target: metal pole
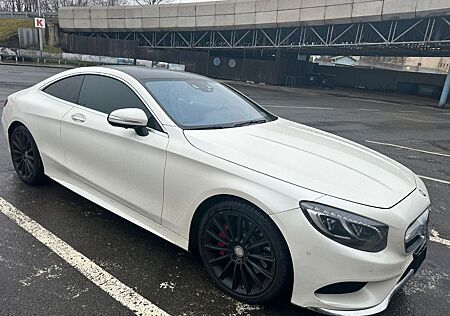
pixel 41 35
pixel 445 91
pixel 242 67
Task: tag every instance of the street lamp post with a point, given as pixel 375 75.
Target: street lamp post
pixel 40 32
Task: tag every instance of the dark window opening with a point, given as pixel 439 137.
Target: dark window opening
pixel 67 89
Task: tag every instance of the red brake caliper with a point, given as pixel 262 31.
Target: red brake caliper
pixel 222 235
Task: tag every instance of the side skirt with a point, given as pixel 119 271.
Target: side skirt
pixel 127 213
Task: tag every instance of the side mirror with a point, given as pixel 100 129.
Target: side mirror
pixel 130 118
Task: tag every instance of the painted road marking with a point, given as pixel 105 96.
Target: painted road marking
pixel 408 148
pixel 108 283
pixel 429 108
pixel 372 101
pixel 373 110
pixel 422 121
pixel 299 107
pixel 436 180
pixel 435 237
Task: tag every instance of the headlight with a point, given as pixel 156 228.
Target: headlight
pixel 346 228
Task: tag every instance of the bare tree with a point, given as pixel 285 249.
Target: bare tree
pixel 151 2
pixel 53 5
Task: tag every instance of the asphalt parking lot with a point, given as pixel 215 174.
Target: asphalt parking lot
pixel 34 280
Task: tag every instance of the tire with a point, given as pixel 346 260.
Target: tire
pixel 25 156
pixel 249 261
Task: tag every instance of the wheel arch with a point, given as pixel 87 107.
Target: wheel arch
pixel 16 123
pixel 209 202
pixel 212 200
pixel 13 125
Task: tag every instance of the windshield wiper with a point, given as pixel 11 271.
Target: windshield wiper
pixel 228 125
pixel 250 123
pixel 208 127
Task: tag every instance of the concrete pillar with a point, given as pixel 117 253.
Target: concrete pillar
pixel 445 91
pixel 53 34
pixel 242 67
pixel 278 63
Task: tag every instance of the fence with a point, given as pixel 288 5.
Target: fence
pixel 80 59
pixel 381 80
pixel 28 37
pixel 384 80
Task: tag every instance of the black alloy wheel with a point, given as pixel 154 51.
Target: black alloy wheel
pixel 243 252
pixel 25 156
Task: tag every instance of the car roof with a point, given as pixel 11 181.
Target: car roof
pixel 142 72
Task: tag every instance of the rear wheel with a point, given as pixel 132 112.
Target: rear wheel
pixel 25 156
pixel 243 252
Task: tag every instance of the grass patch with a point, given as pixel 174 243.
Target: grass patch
pixel 51 49
pixel 8 27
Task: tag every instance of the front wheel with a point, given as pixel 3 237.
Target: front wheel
pixel 25 156
pixel 243 252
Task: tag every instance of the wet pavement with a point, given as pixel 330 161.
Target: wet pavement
pixel 34 280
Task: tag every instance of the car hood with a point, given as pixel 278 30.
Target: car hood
pixel 311 159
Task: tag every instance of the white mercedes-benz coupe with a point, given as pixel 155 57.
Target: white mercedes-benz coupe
pixel 271 206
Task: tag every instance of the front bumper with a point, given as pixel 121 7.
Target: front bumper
pixel 409 273
pixel 368 311
pixel 318 261
pixel 5 124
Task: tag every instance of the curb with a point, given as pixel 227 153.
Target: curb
pixel 38 65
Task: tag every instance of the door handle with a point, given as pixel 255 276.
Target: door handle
pixel 80 118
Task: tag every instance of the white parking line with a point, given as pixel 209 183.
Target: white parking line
pixel 403 117
pixel 435 180
pixel 108 283
pixel 298 107
pixel 408 148
pixel 435 237
pixel 430 108
pixel 372 101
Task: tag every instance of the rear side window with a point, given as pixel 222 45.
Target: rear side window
pixel 66 89
pixel 106 94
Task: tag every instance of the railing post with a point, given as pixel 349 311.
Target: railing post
pixel 445 91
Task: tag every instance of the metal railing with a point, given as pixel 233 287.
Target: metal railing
pixel 415 37
pixel 22 55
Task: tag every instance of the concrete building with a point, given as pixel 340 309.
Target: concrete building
pixel 238 14
pixel 439 65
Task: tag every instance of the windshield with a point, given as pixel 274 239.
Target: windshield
pixel 204 104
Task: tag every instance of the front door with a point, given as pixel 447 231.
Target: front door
pixel 111 160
